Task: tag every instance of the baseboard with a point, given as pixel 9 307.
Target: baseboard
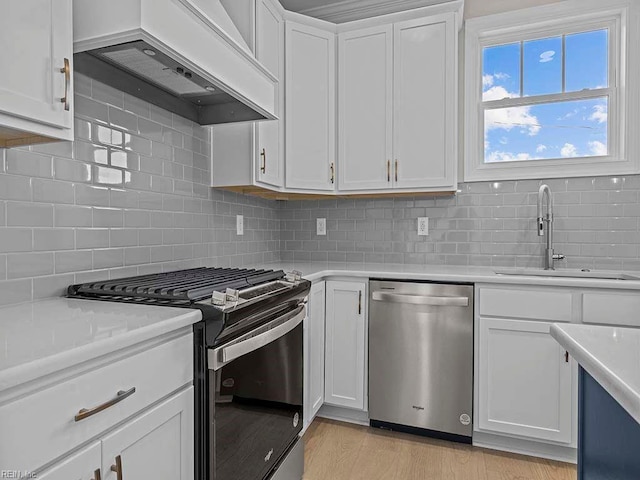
pixel 525 447
pixel 342 414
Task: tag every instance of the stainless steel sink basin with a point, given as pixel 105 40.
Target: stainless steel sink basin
pixel 535 272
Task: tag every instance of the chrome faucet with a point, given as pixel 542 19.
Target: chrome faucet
pixel 549 257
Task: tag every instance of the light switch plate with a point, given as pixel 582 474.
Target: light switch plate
pixel 423 226
pixel 321 226
pixel 239 224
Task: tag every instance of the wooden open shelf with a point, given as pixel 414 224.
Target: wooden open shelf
pixel 273 195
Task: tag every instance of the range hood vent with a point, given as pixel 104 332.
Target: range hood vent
pixel 156 66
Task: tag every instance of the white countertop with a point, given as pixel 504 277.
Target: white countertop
pixel 610 355
pixel 314 271
pixel 39 338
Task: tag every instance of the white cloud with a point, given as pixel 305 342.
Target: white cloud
pixel 495 157
pixel 504 140
pixel 487 81
pixel 508 118
pixel 599 114
pixel 501 76
pixel 569 150
pixel 541 148
pixel 598 149
pixel 547 56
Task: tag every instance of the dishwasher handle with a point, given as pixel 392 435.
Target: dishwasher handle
pixel 420 299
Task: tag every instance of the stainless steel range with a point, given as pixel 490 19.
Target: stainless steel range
pixel 248 362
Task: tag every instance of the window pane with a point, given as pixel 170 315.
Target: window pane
pixel 543 66
pixel 501 72
pixel 547 131
pixel 587 63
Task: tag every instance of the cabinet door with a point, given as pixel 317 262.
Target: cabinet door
pixel 310 108
pixel 314 352
pixel 425 88
pixel 156 445
pixel 365 108
pixel 524 381
pixel 345 361
pixel 36 38
pixel 270 52
pixel 81 466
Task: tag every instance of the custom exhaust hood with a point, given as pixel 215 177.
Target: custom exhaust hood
pixel 185 56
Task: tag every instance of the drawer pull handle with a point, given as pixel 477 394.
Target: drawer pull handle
pixel 96 475
pixel 117 468
pixel 67 80
pixel 120 396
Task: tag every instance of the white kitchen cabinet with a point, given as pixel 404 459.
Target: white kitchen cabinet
pixel 115 402
pixel 80 466
pixel 37 59
pixel 365 108
pixel 310 108
pixel 314 352
pixel 398 104
pixel 346 338
pixel 156 445
pixel 525 381
pixel 252 154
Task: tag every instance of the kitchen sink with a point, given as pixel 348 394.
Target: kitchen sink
pixel 535 272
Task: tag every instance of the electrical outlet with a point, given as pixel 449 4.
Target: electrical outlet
pixel 321 226
pixel 239 224
pixel 423 226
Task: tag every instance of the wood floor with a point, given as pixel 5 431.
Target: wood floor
pixel 338 451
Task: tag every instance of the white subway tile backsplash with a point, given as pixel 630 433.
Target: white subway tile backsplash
pixel 22 214
pixel 50 191
pixel 108 258
pixel 72 216
pixel 23 265
pixel 16 291
pixel 92 238
pixel 51 239
pixel 75 261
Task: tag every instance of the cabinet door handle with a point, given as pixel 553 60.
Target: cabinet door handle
pixel 117 468
pixel 360 302
pixel 397 171
pixel 97 475
pixel 67 80
pixel 120 396
pixel 333 173
pixel 566 357
pixel 263 154
pixel 388 170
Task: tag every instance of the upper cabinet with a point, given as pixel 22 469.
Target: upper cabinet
pixel 36 87
pixel 397 106
pixel 310 108
pixel 252 154
pixel 270 52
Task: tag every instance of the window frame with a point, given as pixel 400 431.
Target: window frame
pixel 545 22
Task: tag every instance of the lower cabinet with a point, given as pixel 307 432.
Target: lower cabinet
pixel 346 338
pixel 525 381
pixel 314 353
pixel 84 465
pixel 157 445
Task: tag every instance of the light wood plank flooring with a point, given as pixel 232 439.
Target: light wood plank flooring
pixel 339 451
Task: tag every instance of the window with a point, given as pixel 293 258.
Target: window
pixel 544 94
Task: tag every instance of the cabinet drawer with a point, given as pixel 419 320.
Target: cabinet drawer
pixel 43 427
pixel 531 304
pixel 620 308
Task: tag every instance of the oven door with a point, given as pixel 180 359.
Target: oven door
pixel 255 397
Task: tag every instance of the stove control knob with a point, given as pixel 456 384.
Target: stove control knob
pixel 293 276
pixel 232 295
pixel 218 298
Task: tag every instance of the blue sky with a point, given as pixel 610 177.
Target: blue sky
pixel 558 130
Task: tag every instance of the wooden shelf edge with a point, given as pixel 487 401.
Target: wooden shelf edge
pixel 285 196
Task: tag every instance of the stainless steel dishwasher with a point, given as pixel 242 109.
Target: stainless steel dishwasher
pixel 421 358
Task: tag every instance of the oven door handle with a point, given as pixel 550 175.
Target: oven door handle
pixel 421 299
pixel 223 355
